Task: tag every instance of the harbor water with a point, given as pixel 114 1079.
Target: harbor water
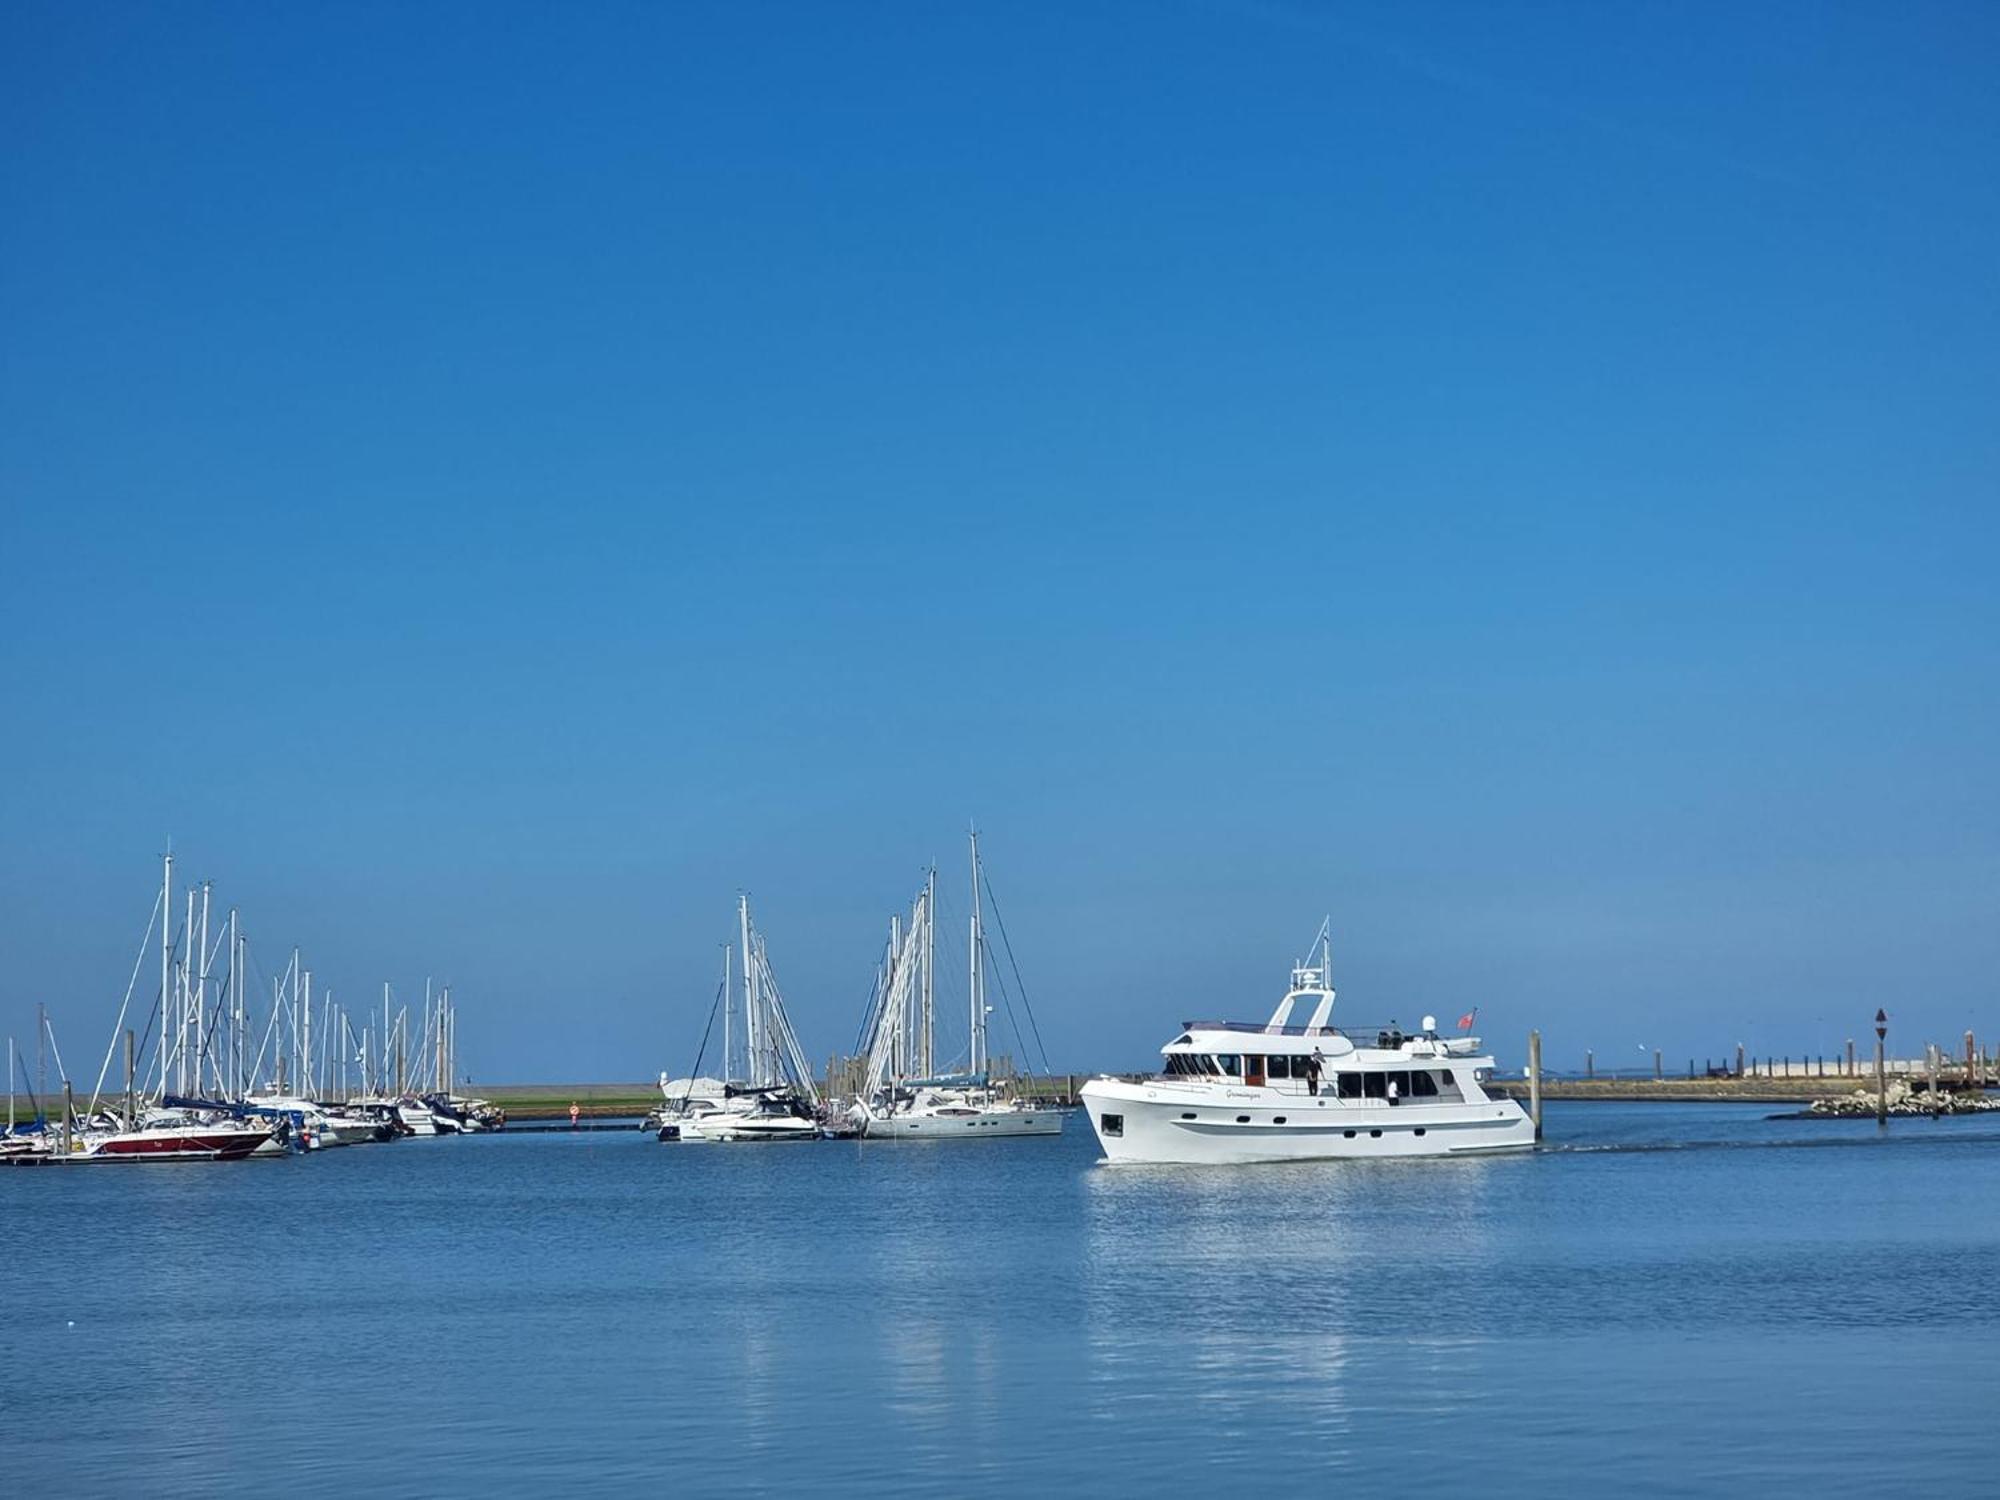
pixel 1673 1300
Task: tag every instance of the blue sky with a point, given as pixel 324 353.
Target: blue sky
pixel 490 482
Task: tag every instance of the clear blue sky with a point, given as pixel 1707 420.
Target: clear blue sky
pixel 491 481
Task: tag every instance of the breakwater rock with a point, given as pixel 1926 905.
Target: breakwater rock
pixel 1903 1100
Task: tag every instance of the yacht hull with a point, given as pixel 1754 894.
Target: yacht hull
pixel 177 1145
pixel 1149 1122
pixel 978 1126
pixel 713 1131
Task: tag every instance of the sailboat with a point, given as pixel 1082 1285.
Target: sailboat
pixel 903 1096
pixel 774 1098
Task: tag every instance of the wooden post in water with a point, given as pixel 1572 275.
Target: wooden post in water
pixel 1850 1057
pixel 69 1116
pixel 1535 1080
pixel 1658 1072
pixel 1739 1059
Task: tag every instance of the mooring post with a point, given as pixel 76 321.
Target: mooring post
pixel 1535 1080
pixel 1658 1071
pixel 1739 1059
pixel 69 1115
pixel 1850 1057
pixel 1881 1070
pixel 1589 1063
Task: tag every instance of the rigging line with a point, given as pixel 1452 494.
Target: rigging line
pixel 131 984
pixel 27 1084
pixel 872 1011
pixel 1001 923
pixel 1007 999
pixel 49 1027
pixel 708 1031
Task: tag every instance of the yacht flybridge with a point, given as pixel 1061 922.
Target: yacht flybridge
pixel 1298 1088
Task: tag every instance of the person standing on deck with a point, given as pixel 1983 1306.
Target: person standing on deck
pixel 1312 1073
pixel 1392 1093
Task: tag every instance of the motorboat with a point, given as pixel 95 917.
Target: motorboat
pixel 1233 1091
pixel 177 1135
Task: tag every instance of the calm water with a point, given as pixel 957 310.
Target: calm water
pixel 540 1313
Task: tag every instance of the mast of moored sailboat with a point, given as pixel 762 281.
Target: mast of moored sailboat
pixel 976 982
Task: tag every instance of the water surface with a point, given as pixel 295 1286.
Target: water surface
pixel 1681 1300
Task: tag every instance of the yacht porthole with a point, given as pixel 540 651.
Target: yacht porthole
pixel 1279 1120
pixel 1375 1135
pixel 1242 1119
pixel 1348 1133
pixel 1187 1114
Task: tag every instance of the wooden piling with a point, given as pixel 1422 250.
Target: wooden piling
pixel 1659 1071
pixel 69 1116
pixel 1881 1085
pixel 1535 1081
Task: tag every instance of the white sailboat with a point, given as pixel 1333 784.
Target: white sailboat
pixel 775 1098
pixel 903 1097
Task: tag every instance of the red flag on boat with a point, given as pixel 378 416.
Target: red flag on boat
pixel 1465 1021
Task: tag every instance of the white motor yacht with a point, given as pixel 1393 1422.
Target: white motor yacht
pixel 1235 1091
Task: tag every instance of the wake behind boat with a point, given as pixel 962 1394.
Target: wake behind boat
pixel 1234 1091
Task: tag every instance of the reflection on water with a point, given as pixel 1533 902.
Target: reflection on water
pixel 904 1319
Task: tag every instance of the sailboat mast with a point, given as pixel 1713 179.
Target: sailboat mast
pixel 306 1047
pixel 928 1040
pixel 728 1006
pixel 235 1000
pixel 199 1009
pixel 752 1074
pixel 901 1062
pixel 978 1033
pixel 166 957
pixel 181 998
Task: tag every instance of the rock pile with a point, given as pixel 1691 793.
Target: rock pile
pixel 1906 1100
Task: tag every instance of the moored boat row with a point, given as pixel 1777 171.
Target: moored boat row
pixel 214 1089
